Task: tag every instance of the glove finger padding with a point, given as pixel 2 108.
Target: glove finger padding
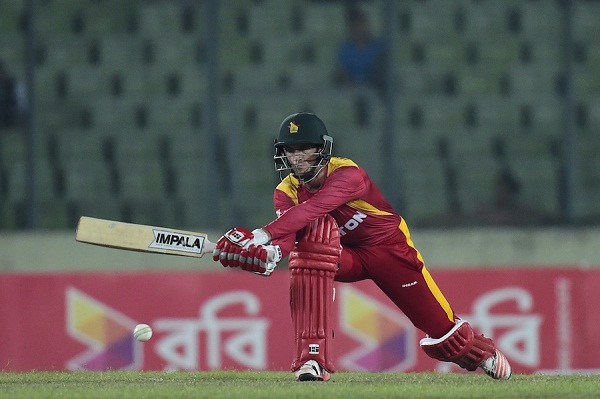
pixel 255 259
pixel 227 253
pixel 262 258
pixel 240 247
pixel 250 263
pixel 230 245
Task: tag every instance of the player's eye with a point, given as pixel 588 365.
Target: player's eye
pixel 302 152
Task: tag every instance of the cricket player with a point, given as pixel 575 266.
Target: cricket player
pixel 334 224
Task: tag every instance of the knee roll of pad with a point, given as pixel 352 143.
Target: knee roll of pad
pixel 461 346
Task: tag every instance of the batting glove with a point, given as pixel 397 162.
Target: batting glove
pixel 260 259
pixel 241 248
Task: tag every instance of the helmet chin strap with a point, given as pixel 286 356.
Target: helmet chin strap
pixel 312 173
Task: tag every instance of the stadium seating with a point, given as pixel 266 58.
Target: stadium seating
pixel 13 147
pixel 86 179
pixel 478 85
pixel 101 206
pixel 141 180
pixel 53 214
pixel 425 194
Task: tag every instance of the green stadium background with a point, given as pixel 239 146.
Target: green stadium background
pixel 163 112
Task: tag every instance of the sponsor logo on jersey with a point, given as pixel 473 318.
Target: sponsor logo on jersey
pixel 353 223
pixel 169 240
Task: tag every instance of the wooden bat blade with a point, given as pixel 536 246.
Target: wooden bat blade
pixel 143 238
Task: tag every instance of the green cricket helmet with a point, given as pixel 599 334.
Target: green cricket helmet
pixel 301 129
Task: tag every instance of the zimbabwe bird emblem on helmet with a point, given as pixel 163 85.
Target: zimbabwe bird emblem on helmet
pixel 293 127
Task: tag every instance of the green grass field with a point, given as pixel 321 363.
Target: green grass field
pixel 236 384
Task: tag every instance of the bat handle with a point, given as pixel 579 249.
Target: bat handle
pixel 209 246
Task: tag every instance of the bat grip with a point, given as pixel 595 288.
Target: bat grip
pixel 209 246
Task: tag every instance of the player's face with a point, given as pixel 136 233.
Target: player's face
pixel 301 158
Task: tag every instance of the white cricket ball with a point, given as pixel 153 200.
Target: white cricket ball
pixel 142 332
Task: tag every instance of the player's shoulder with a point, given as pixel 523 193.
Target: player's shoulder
pixel 289 186
pixel 336 163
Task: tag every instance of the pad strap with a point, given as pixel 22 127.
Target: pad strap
pixel 461 346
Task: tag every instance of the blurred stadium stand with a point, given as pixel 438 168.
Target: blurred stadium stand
pixel 120 110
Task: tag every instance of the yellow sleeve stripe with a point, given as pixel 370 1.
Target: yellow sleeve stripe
pixel 289 185
pixel 359 205
pixel 364 206
pixel 337 162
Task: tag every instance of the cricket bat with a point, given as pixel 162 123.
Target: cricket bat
pixel 142 238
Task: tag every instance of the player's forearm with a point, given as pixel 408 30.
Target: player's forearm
pixel 289 222
pixel 286 244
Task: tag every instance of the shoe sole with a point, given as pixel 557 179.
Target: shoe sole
pixel 311 377
pixel 308 377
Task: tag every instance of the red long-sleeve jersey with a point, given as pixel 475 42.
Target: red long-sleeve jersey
pixel 366 220
pixel 348 194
